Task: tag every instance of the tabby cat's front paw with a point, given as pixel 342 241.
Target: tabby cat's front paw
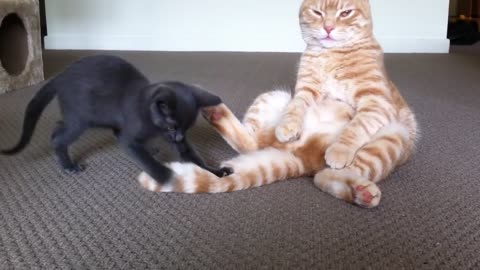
pixel 339 156
pixel 288 131
pixel 214 114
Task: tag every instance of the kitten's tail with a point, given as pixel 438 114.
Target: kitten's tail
pixel 34 109
pixel 250 170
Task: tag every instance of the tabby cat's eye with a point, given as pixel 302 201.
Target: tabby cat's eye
pixel 319 13
pixel 345 13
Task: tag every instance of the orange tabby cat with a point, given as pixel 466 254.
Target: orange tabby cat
pixel 347 124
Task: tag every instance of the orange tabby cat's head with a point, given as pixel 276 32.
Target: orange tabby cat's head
pixel 335 23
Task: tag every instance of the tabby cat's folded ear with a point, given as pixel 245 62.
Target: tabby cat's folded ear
pixel 204 98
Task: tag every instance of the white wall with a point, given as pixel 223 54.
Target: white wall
pixel 221 25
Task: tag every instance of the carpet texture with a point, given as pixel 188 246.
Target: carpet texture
pixel 429 217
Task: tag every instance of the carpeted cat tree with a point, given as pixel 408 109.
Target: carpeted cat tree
pixel 20 44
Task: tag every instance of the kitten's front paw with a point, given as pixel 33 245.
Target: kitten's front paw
pixel 339 156
pixel 75 169
pixel 222 172
pixel 288 131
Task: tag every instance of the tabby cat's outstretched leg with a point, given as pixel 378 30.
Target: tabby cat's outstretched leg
pixel 263 114
pixel 230 128
pixel 374 161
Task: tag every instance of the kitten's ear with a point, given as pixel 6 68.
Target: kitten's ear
pixel 204 98
pixel 158 118
pixel 159 108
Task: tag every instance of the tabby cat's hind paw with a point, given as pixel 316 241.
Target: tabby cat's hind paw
pixel 367 196
pixel 288 132
pixel 349 187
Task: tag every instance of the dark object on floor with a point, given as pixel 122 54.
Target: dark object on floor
pixel 108 92
pixel 468 8
pixel 20 44
pixel 463 32
pixel 429 217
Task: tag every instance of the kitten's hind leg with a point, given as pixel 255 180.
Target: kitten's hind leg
pixel 62 137
pixel 116 133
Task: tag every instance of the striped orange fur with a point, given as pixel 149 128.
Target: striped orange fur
pixel 347 124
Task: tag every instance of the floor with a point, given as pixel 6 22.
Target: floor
pixel 468 49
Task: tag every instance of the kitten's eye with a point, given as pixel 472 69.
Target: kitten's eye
pixel 170 129
pixel 319 13
pixel 345 13
pixel 163 106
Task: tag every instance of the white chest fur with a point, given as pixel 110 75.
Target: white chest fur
pixel 330 85
pixel 335 88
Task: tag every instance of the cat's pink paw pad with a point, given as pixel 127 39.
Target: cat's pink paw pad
pixel 213 114
pixel 367 196
pixel 364 195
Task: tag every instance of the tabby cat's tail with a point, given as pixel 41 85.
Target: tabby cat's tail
pixel 250 170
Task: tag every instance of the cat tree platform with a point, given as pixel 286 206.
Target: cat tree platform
pixel 20 44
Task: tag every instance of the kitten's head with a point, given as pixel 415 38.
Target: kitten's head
pixel 335 23
pixel 174 107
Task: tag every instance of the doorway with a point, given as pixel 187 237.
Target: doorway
pixel 464 25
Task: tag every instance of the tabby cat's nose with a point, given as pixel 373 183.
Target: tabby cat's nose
pixel 329 29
